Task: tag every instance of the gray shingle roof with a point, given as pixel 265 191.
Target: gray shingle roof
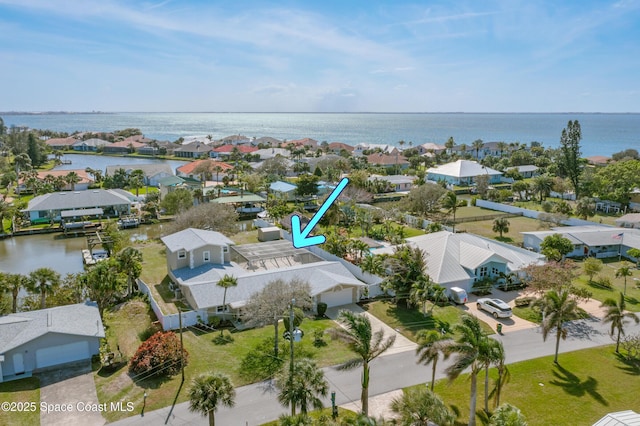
pixel 82 319
pixel 77 200
pixel 191 238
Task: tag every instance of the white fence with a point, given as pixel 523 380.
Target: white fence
pixel 533 214
pixel 172 321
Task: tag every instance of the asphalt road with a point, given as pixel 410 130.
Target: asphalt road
pixel 257 403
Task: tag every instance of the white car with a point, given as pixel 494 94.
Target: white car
pixel 498 308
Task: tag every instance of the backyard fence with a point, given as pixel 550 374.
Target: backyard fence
pixel 170 321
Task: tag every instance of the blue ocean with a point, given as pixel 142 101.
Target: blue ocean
pixel 602 134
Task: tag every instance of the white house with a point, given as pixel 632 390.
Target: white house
pixel 399 183
pixel 459 260
pixel 48 338
pixel 462 172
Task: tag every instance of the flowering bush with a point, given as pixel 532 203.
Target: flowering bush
pixel 159 354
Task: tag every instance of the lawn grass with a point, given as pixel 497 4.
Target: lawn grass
pixel 23 390
pixel 580 390
pixel 409 321
pixel 609 271
pixel 516 226
pixel 127 325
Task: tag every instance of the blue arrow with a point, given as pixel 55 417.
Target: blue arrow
pixel 301 238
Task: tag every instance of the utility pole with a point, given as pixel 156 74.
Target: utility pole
pixel 181 344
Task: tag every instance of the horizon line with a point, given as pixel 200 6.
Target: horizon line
pixel 306 112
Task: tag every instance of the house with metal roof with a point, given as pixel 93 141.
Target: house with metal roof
pixel 462 172
pixel 459 260
pixel 90 144
pixel 620 418
pixel 48 338
pixel 590 240
pixel 198 259
pixel 113 202
pixel 399 183
pixel 284 190
pixel 527 170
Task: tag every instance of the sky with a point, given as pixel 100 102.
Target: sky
pixel 320 56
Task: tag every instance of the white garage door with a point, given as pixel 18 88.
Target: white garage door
pixel 61 354
pixel 337 298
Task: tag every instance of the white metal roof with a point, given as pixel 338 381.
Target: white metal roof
pixel 620 418
pixel 463 168
pixel 191 238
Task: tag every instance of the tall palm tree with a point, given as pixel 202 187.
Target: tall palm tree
pixel 491 352
pixel 43 281
pixel 469 349
pixel 558 306
pixel 624 271
pixel 373 264
pixel 304 388
pixel 431 345
pixel 366 344
pixel 503 372
pixel 420 292
pixel 130 263
pixel 616 315
pixel 208 391
pixel 450 202
pixel 501 225
pixel 542 185
pixel 72 178
pixel 226 282
pixel 15 283
pixel 477 145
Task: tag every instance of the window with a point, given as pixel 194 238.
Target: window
pixel 483 271
pixel 225 249
pixel 220 309
pixel 494 271
pixel 182 254
pixel 206 256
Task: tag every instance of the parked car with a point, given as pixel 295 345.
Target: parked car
pixel 457 295
pixel 496 307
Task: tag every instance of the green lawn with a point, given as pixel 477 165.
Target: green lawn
pixel 24 390
pixel 583 388
pixel 408 321
pixel 516 226
pixel 609 270
pixel 129 324
pixel 143 190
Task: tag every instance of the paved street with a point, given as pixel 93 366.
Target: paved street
pixel 256 404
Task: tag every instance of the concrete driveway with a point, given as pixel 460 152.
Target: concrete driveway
pixel 73 387
pixel 508 324
pixel 402 344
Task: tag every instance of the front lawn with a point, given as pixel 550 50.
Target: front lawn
pixel 409 321
pixel 516 226
pixel 580 390
pixel 128 325
pixel 609 269
pixel 20 391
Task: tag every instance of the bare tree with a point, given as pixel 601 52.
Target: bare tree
pixel 268 305
pixel 209 216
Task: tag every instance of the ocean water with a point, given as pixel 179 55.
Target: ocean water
pixel 602 134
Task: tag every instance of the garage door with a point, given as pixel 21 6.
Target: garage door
pixel 61 354
pixel 337 298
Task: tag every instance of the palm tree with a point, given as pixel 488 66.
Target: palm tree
pixel 15 283
pixel 420 292
pixel 558 306
pixel 503 371
pixel 226 282
pixel 304 388
pixel 130 262
pixel 43 281
pixel 502 147
pixel 207 391
pixel 624 271
pixel 469 349
pixel 366 344
pixel 542 185
pixel 501 225
pixel 422 407
pixel 616 315
pixel 477 145
pixel 372 264
pixel 72 178
pixel 450 202
pixel 431 345
pixel 492 353
pixel 507 415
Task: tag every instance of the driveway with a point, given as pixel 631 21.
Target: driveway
pixel 509 325
pixel 73 387
pixel 402 344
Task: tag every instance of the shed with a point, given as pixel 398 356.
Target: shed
pixel 271 233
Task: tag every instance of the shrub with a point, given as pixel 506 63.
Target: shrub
pixel 473 201
pixel 524 301
pixel 322 309
pixel 160 354
pixel 547 206
pixel 604 282
pixel 214 321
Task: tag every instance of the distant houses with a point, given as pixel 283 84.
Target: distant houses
pixel 153 172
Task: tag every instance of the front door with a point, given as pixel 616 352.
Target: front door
pixel 18 364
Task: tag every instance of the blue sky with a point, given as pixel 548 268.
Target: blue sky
pixel 329 56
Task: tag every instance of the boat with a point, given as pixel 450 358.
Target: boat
pixel 250 209
pixel 128 222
